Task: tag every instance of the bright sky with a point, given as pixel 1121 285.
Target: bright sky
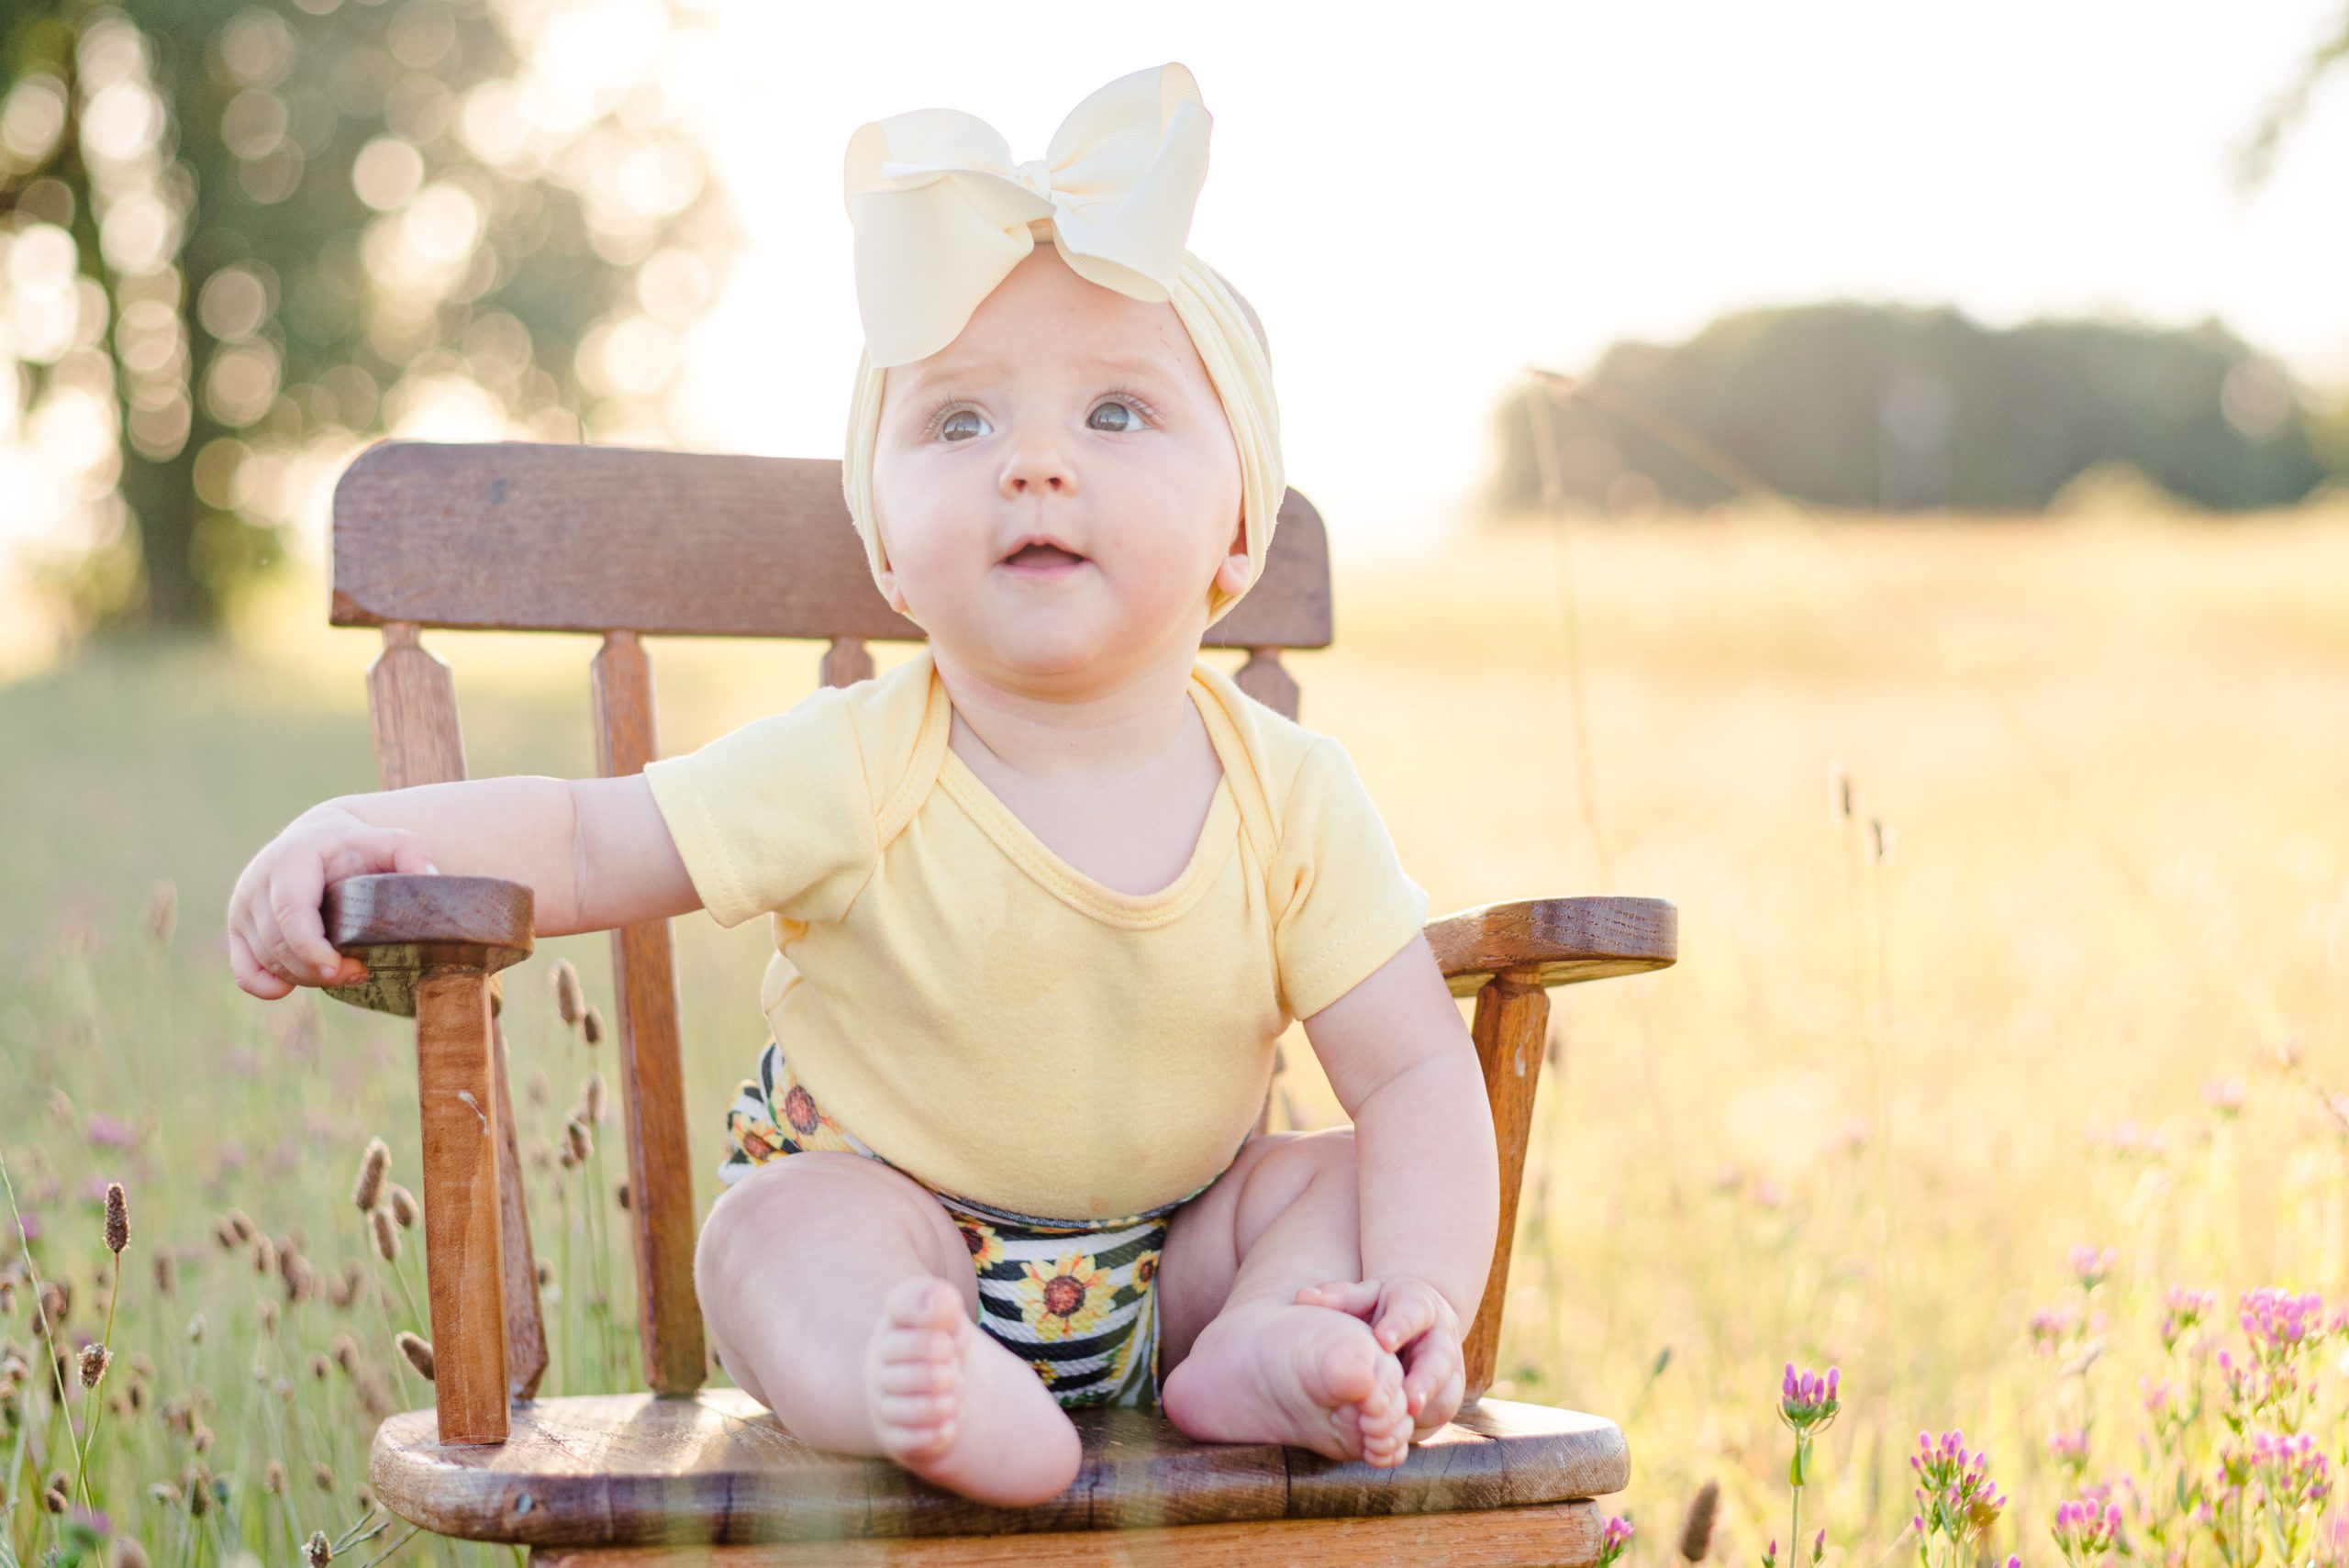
pixel 1417 210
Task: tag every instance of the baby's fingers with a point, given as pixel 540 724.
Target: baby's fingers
pixel 251 975
pixel 1346 1295
pixel 1434 1360
pixel 303 952
pixel 379 849
pixel 1412 1310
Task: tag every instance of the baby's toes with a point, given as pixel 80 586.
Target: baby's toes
pixel 1384 1423
pixel 914 1374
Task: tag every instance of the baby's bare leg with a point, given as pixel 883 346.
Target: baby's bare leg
pixel 1249 1363
pixel 839 1295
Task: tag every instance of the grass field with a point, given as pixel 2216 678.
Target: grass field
pixel 2070 974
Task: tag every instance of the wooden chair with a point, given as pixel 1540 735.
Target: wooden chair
pixel 630 543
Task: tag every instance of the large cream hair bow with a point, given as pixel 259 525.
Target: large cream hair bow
pixel 942 214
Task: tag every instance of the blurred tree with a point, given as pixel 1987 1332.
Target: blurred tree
pixel 2259 155
pixel 1885 408
pixel 238 239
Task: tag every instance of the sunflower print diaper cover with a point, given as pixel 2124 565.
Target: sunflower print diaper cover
pixel 1071 1297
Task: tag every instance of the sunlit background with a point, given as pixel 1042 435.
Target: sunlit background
pixel 1920 556
pixel 1416 218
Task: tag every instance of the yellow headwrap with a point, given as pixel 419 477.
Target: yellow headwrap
pixel 942 215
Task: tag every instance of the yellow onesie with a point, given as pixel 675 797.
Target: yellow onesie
pixel 965 1005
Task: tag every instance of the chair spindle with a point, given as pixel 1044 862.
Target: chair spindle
pixel 644 995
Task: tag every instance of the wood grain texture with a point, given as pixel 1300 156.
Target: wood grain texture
pixel 404 926
pixel 551 538
pixel 412 707
pixel 635 1469
pixel 526 1334
pixel 1510 1017
pixel 1567 940
pixel 1546 1535
pixel 651 1070
pixel 464 1262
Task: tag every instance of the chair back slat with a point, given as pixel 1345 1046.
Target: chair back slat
pixel 526 537
pixel 653 1089
pixel 845 662
pixel 1265 678
pixel 412 707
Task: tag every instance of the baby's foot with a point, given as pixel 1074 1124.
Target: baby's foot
pixel 1307 1377
pixel 957 1408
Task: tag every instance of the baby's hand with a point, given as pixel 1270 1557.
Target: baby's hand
pixel 277 937
pixel 1410 1317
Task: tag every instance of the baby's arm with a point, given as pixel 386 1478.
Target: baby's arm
pixel 595 853
pixel 1403 1065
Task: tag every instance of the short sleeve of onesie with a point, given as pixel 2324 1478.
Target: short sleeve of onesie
pixel 776 817
pixel 1341 903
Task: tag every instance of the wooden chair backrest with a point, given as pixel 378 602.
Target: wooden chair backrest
pixel 520 536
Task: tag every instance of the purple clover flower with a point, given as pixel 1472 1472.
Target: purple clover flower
pixel 1807 1401
pixel 1614 1538
pixel 2086 1531
pixel 2091 1265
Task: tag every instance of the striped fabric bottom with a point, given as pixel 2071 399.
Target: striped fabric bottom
pixel 1071 1297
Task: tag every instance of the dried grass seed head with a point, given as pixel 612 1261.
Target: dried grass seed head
pixel 569 1003
pixel 591 1028
pixel 1697 1530
pixel 117 1219
pixel 162 915
pixel 418 1352
pixel 96 1359
pixel 387 1236
pixel 404 1206
pixel 375 1164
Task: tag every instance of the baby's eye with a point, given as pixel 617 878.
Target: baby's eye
pixel 947 425
pixel 1131 421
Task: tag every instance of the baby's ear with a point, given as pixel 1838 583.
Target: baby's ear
pixel 1232 572
pixel 891 592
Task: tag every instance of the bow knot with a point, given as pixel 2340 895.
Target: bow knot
pixel 1037 175
pixel 941 212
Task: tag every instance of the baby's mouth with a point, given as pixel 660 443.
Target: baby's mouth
pixel 1041 555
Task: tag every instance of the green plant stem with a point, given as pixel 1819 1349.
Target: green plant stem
pixel 400 1368
pixel 41 1308
pixel 97 1390
pixel 394 1546
pixel 423 1323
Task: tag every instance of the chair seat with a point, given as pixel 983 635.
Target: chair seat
pixel 716 1467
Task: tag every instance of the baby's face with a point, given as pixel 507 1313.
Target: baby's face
pixel 1068 411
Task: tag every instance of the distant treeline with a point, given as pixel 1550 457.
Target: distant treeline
pixel 1894 409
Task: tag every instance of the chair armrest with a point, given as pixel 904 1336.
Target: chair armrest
pixel 1562 940
pixel 403 926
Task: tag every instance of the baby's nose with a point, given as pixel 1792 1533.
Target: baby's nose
pixel 1037 463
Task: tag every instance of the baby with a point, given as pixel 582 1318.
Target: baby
pixel 1044 896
